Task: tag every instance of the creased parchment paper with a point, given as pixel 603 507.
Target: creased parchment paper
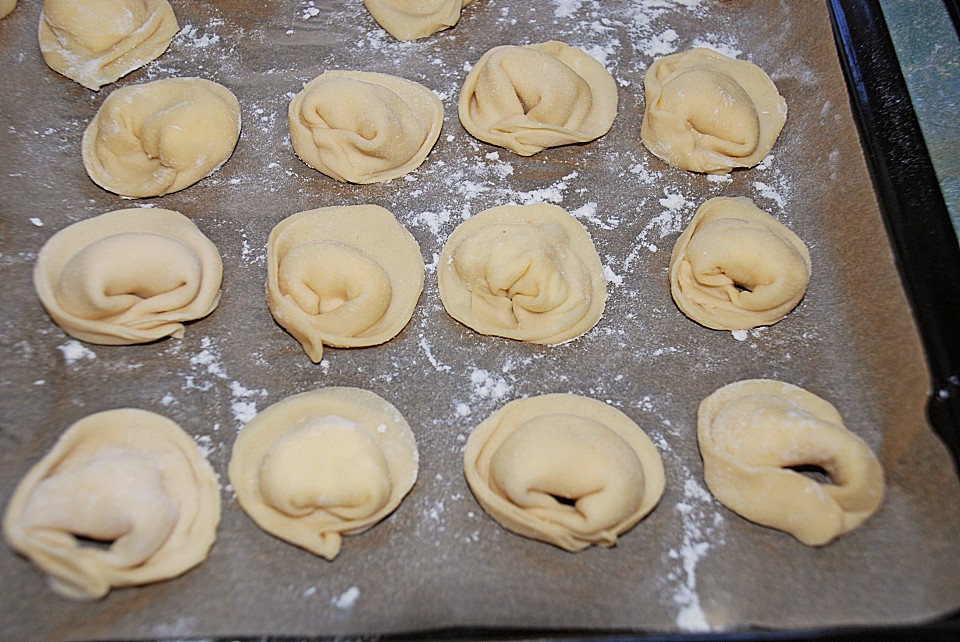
pixel 439 560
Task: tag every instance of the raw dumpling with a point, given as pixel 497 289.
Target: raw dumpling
pixel 128 276
pixel 127 478
pixel 95 42
pixel 414 19
pixel 323 464
pixel 537 96
pixel 567 470
pixel 526 272
pixel 161 136
pixel 7 7
pixel 343 276
pixel 707 112
pixel 756 435
pixel 736 267
pixel 363 127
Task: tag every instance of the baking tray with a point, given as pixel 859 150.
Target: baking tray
pixel 439 566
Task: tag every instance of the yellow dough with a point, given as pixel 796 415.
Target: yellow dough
pixel 537 96
pixel 736 267
pixel 161 136
pixel 567 470
pixel 95 42
pixel 414 19
pixel 707 112
pixel 323 464
pixel 525 272
pixel 128 276
pixel 128 478
pixel 7 7
pixel 364 127
pixel 753 433
pixel 346 276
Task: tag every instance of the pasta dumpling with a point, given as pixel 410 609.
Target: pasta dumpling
pixel 323 464
pixel 707 112
pixel 161 136
pixel 525 272
pixel 7 7
pixel 414 19
pixel 537 96
pixel 96 42
pixel 346 276
pixel 567 470
pixel 127 478
pixel 756 437
pixel 736 267
pixel 128 276
pixel 364 127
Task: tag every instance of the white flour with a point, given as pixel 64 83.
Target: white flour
pixel 702 531
pixel 347 599
pixel 74 351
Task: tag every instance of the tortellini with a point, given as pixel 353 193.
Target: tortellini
pixel 364 127
pixel 346 276
pixel 736 267
pixel 128 276
pixel 537 96
pixel 414 19
pixel 323 464
pixel 7 7
pixel 129 479
pixel 95 42
pixel 564 469
pixel 161 136
pixel 707 112
pixel 756 437
pixel 525 272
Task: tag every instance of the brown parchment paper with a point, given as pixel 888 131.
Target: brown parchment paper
pixel 439 561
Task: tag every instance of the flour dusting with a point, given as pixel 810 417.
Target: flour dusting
pixel 74 351
pixel 347 599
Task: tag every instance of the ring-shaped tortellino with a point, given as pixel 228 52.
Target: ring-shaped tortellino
pixel 736 267
pixel 364 127
pixel 95 42
pixel 160 137
pixel 525 272
pixel 537 96
pixel 406 20
pixel 564 469
pixel 323 464
pixel 128 276
pixel 762 441
pixel 123 498
pixel 7 7
pixel 707 112
pixel 346 276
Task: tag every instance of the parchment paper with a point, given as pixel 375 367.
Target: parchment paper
pixel 439 560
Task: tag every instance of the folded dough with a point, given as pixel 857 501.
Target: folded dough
pixel 345 276
pixel 564 469
pixel 414 19
pixel 707 112
pixel 364 127
pixel 7 7
pixel 755 434
pixel 526 272
pixel 161 136
pixel 95 42
pixel 323 464
pixel 736 267
pixel 537 96
pixel 128 276
pixel 129 479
